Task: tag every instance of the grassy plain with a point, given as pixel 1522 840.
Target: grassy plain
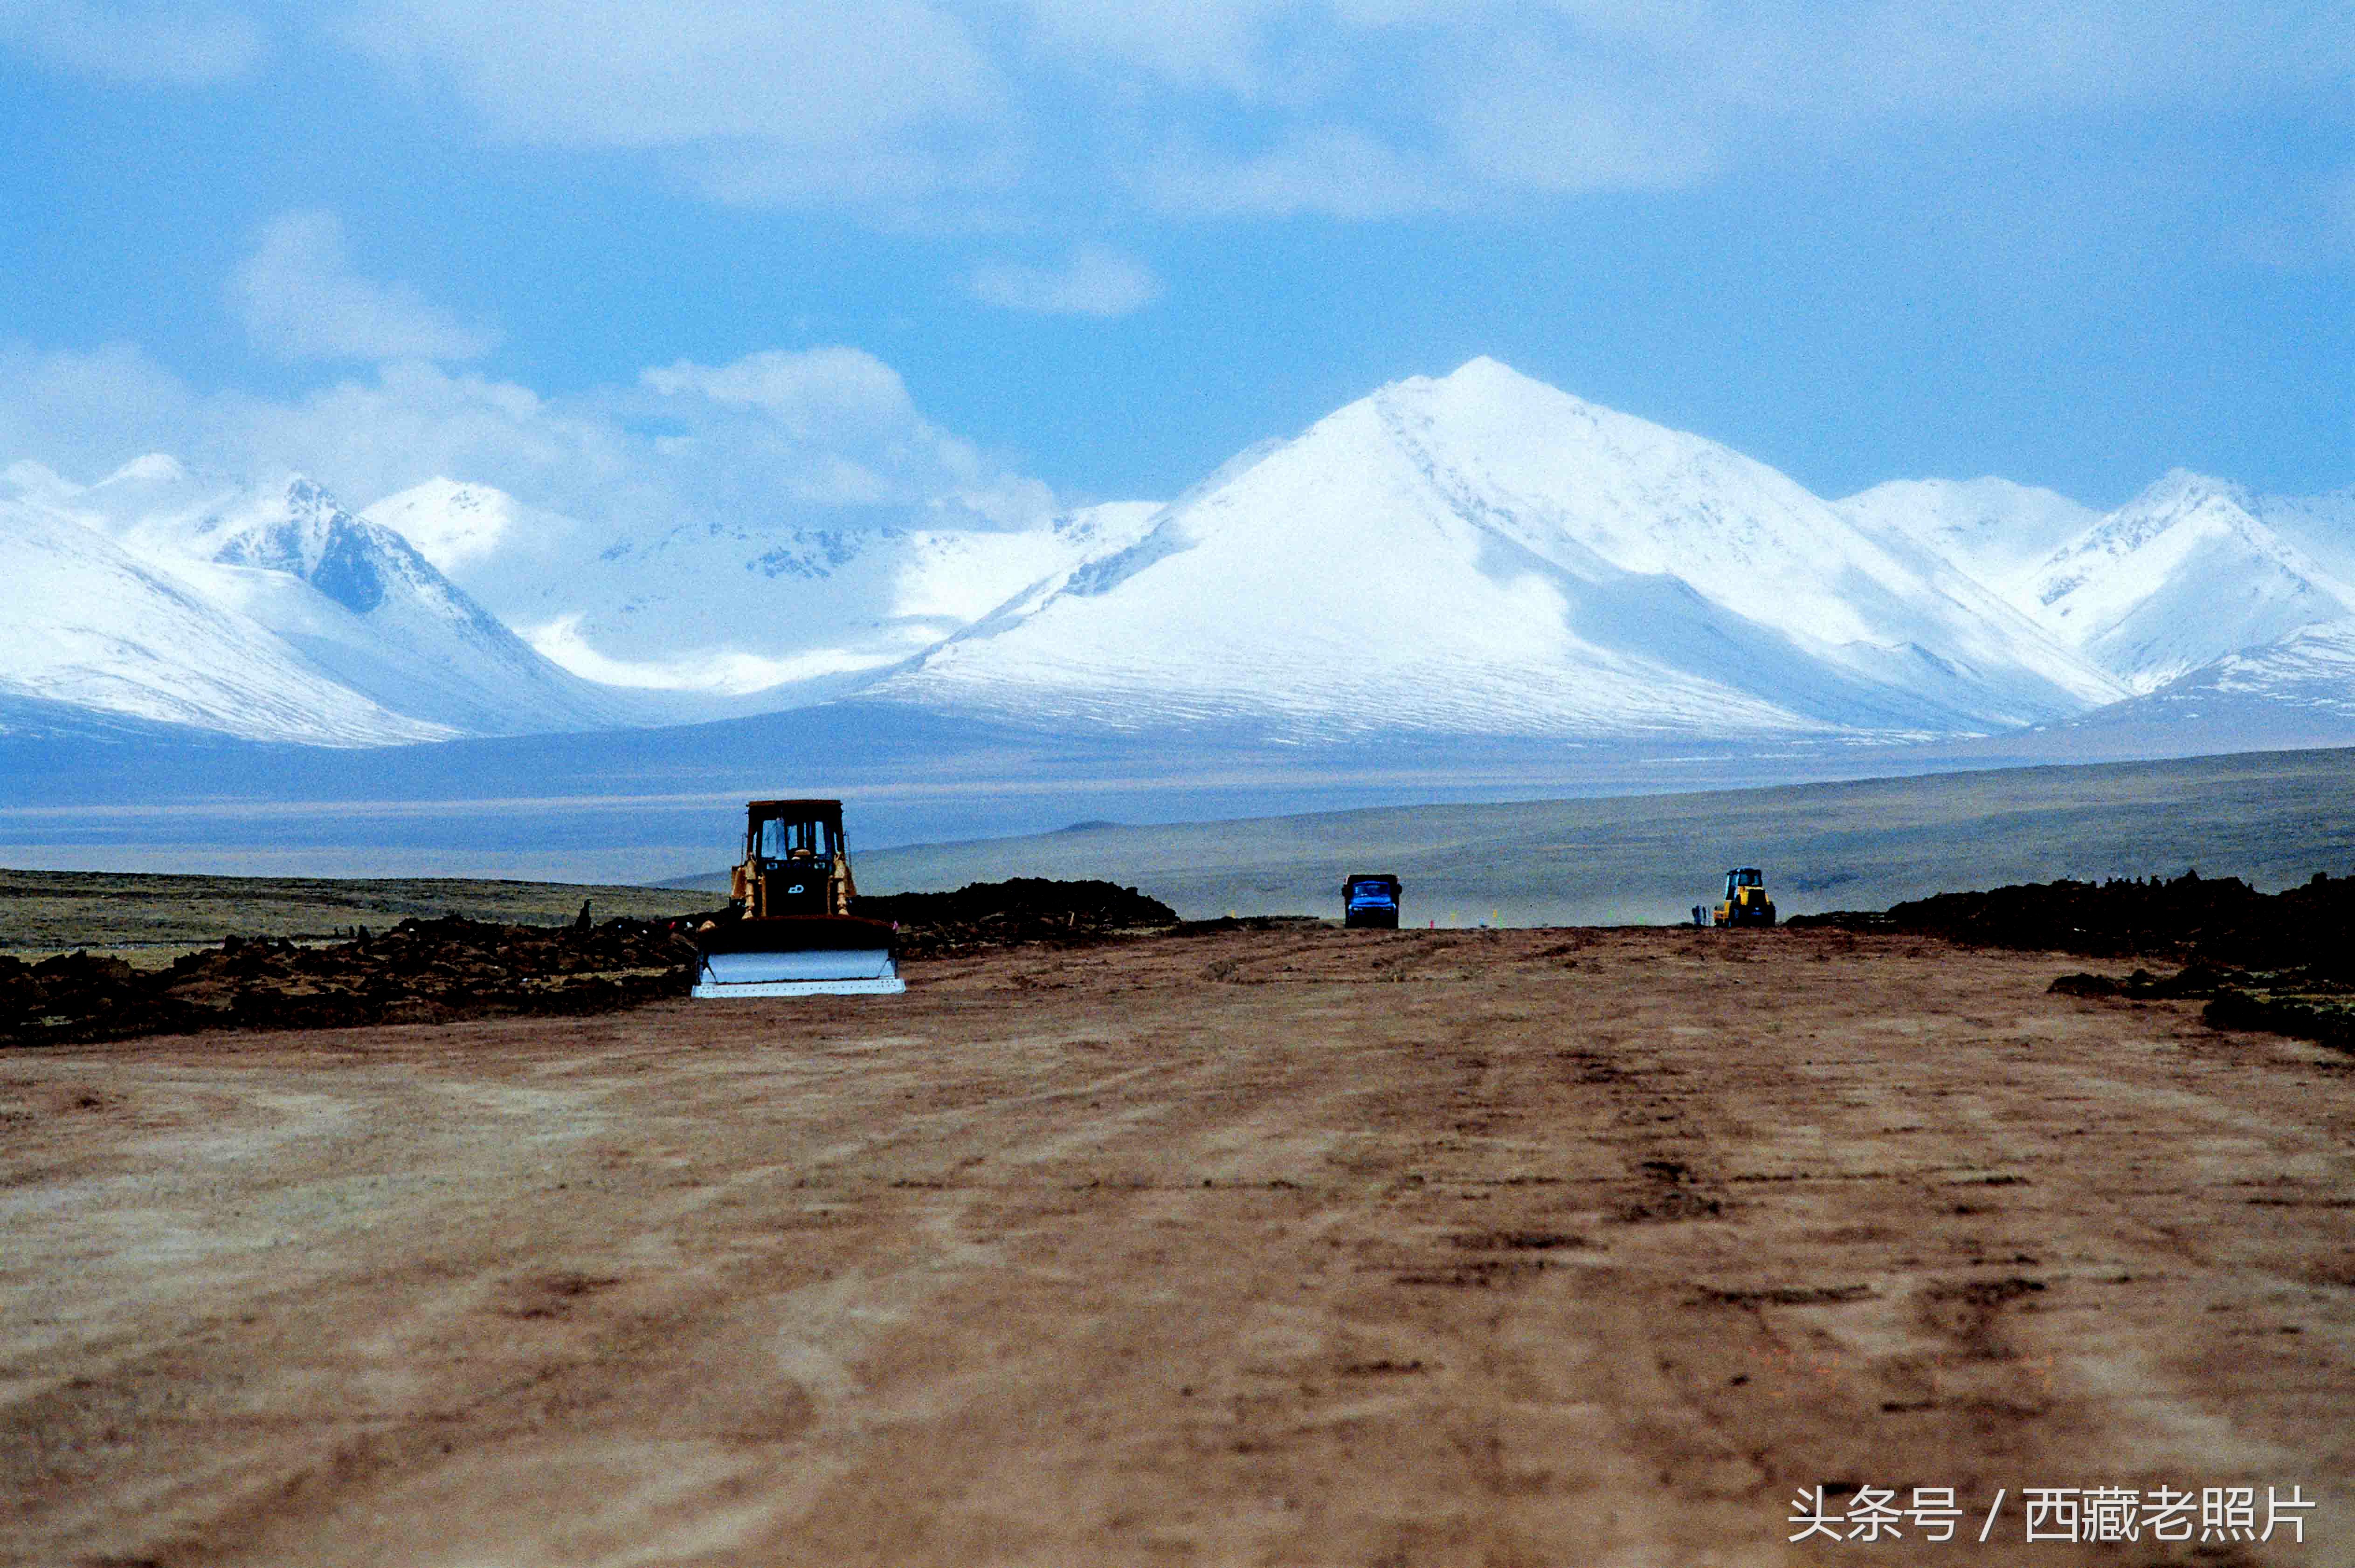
pixel 2271 818
pixel 151 919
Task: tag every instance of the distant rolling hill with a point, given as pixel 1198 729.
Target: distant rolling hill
pixel 649 805
pixel 2273 818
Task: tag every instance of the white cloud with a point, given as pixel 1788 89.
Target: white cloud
pixel 1332 171
pixel 1469 103
pixel 300 299
pixel 87 414
pixel 958 112
pixel 631 73
pixel 759 102
pixel 167 44
pixel 649 529
pixel 1359 108
pixel 1098 281
pixel 773 439
pixel 1559 135
pixel 818 389
pixel 1219 44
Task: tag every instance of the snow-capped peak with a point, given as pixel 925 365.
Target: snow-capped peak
pixel 1483 552
pixel 313 538
pixel 453 524
pixel 93 627
pixel 1996 532
pixel 287 568
pixel 2181 576
pixel 155 467
pixel 2178 498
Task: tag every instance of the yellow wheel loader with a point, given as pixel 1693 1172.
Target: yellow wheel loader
pixel 1746 903
pixel 789 930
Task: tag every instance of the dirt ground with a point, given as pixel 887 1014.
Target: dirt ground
pixel 1310 1246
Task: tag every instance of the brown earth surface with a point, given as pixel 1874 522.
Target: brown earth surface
pixel 1251 1246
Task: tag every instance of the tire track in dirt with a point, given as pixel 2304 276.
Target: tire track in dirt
pixel 1558 1246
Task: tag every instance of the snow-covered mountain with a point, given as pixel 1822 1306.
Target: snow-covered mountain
pixel 737 606
pixel 277 590
pixel 1477 555
pixel 458 527
pixel 1483 553
pixel 2181 576
pixel 2321 525
pixel 90 626
pixel 2294 693
pixel 1993 531
pixel 380 619
pixel 2192 571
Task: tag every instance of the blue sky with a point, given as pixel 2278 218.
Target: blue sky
pixel 997 256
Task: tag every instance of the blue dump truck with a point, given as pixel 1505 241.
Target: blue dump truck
pixel 1370 901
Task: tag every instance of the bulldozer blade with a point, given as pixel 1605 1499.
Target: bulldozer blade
pixel 810 955
pixel 821 973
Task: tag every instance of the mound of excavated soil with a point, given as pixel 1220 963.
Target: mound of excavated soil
pixel 2222 920
pixel 2283 961
pixel 985 915
pixel 420 971
pixel 424 971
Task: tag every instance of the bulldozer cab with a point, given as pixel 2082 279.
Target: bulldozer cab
pixel 777 838
pixel 1744 876
pixel 794 862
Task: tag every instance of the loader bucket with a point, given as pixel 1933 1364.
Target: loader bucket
pixel 797 955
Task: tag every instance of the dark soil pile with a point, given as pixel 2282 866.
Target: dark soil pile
pixel 2304 1001
pixel 430 971
pixel 2283 961
pixel 420 971
pixel 2220 920
pixel 985 914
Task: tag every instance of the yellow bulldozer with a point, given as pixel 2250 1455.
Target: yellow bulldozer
pixel 1746 902
pixel 789 930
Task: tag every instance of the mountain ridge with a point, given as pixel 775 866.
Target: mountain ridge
pixel 1576 562
pixel 96 627
pixel 1477 555
pixel 281 579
